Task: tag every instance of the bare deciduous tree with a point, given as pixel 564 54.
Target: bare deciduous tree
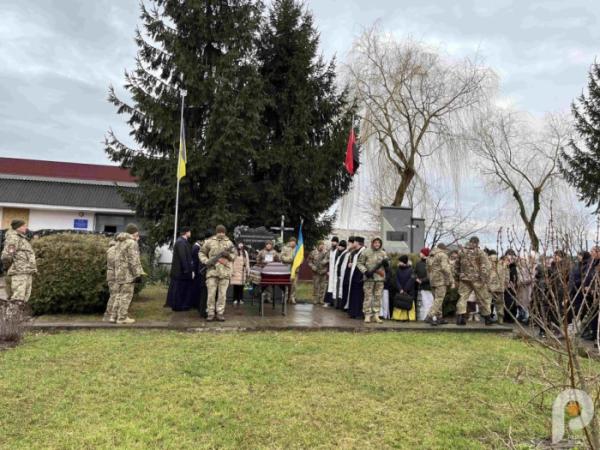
pixel 412 100
pixel 520 157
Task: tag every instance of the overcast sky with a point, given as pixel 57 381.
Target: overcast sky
pixel 57 58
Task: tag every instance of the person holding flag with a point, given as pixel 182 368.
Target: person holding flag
pixel 297 262
pixel 288 254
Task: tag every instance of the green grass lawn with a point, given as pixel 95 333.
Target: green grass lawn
pixel 144 389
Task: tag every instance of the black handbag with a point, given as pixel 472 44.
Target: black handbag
pixel 403 301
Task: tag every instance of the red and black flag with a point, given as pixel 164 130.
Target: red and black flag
pixel 352 161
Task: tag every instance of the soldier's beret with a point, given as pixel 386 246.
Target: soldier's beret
pixel 17 223
pixel 359 239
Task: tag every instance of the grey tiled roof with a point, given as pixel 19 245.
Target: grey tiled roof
pixel 40 192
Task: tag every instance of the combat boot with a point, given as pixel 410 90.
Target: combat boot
pixel 367 319
pixel 106 317
pixel 378 319
pixel 220 318
pixel 210 319
pixel 125 321
pixel 442 321
pixel 488 320
pixel 460 320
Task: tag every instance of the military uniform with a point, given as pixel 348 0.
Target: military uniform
pixel 441 277
pixel 498 281
pixel 7 277
pixel 287 257
pixel 370 264
pixel 318 263
pixel 110 315
pixel 217 253
pixel 128 270
pixel 473 273
pixel 19 256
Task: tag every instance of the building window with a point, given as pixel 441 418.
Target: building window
pixel 396 236
pixel 110 228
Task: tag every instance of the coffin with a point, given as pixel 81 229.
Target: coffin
pixel 274 273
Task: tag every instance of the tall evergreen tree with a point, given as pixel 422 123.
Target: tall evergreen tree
pixel 299 170
pixel 581 166
pixel 206 47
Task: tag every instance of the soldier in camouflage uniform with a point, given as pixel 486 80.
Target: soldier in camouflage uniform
pixel 128 272
pixel 19 257
pixel 287 257
pixel 498 282
pixel 6 264
pixel 217 253
pixel 441 277
pixel 318 263
pixel 474 273
pixel 110 280
pixel 372 263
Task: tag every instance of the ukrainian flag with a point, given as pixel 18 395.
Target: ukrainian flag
pixel 298 255
pixel 182 154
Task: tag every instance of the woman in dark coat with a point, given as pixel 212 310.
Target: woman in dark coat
pixel 179 297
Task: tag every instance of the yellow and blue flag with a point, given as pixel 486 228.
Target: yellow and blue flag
pixel 182 153
pixel 298 254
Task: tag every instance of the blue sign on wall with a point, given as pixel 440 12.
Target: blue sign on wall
pixel 80 224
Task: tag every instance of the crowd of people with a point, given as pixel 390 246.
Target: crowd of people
pixel 478 284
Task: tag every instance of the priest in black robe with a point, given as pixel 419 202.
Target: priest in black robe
pixel 356 294
pixel 179 297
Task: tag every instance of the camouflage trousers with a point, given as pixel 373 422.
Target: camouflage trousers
pixel 498 299
pixel 439 293
pixel 482 297
pixel 123 297
pixel 7 288
pixel 217 295
pixel 20 287
pixel 291 290
pixel 113 288
pixel 373 291
pixel 319 288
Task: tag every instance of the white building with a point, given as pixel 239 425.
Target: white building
pixel 64 196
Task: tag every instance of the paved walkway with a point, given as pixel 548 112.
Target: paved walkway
pixel 246 318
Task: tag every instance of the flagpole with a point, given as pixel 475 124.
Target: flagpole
pixel 183 94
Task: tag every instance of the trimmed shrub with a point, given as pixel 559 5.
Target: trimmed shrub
pixel 71 274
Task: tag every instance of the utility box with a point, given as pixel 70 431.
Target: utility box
pixel 401 232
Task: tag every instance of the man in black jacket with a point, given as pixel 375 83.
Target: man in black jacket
pixel 179 297
pixel 425 296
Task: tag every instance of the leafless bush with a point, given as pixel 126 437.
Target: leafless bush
pixel 558 294
pixel 11 321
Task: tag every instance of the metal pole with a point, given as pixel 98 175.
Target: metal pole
pixel 282 226
pixel 183 94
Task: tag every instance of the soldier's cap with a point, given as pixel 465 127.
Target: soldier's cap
pixel 359 239
pixel 131 228
pixel 184 230
pixel 343 244
pixel 491 252
pixel 221 229
pixel 351 239
pixel 474 240
pixel 17 223
pixel 335 239
pixel 293 239
pixel 442 246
